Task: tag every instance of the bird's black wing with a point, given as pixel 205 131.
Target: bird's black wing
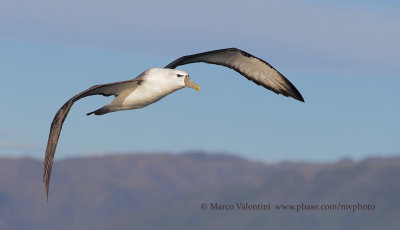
pixel 106 90
pixel 251 67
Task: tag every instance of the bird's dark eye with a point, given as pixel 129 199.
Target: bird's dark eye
pixel 179 75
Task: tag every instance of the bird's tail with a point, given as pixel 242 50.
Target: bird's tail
pixel 101 111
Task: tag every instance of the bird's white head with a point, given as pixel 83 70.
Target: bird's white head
pixel 184 79
pixel 172 77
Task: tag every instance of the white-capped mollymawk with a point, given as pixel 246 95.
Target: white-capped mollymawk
pixel 156 83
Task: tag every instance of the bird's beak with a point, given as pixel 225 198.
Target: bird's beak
pixel 190 84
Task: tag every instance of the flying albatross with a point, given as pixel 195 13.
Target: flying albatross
pixel 156 83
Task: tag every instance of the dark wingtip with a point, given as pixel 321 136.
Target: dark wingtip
pixel 296 95
pixel 300 98
pixel 46 185
pixel 292 90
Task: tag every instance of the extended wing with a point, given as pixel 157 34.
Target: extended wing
pixel 253 68
pixel 115 89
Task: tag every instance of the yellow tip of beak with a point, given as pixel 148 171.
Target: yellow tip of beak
pixel 191 84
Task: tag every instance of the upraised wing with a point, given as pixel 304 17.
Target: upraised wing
pixel 251 67
pixel 115 89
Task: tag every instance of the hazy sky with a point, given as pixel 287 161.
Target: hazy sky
pixel 343 57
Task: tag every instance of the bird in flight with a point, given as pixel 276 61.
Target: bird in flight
pixel 156 83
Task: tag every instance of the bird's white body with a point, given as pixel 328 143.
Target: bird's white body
pixel 154 84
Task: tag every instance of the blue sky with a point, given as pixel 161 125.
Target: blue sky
pixel 343 57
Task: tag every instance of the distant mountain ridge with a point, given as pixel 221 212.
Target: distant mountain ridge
pixel 150 191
